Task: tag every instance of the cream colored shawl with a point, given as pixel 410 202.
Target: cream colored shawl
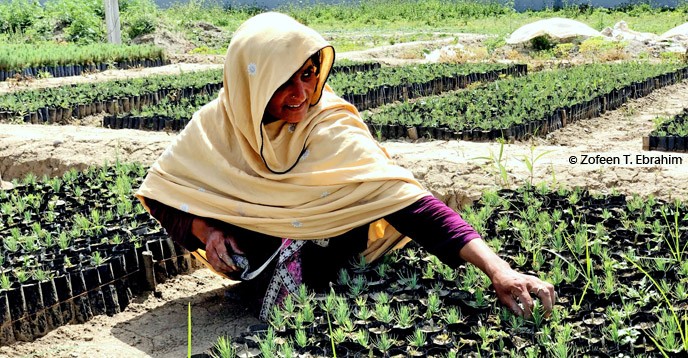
pixel 317 179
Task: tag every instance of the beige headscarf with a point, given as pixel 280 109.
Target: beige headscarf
pixel 317 179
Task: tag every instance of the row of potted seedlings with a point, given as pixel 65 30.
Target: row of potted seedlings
pixel 348 66
pixel 383 85
pixel 77 246
pixel 670 134
pixel 617 262
pixel 60 104
pixel 62 60
pixel 166 115
pixel 518 107
pixel 371 89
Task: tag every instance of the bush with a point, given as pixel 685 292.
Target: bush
pixel 542 43
pixel 83 20
pixel 19 15
pixel 139 17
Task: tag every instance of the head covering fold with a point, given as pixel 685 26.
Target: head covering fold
pixel 317 179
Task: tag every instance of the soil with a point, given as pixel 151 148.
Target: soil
pixel 455 171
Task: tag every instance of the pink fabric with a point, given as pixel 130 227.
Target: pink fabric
pixel 293 266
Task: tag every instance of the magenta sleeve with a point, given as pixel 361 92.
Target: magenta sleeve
pixel 436 227
pixel 177 224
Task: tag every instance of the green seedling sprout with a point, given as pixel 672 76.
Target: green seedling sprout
pixel 268 345
pixel 363 338
pixel 404 316
pixel 5 282
pixel 384 343
pixel 224 348
pixel 418 338
pixel 497 164
pixel 682 328
pixel 188 331
pixel 383 313
pixel 343 278
pixel 364 313
pixel 301 338
pixel 674 232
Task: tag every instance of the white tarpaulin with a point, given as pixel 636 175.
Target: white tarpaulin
pixel 678 31
pixel 621 32
pixel 556 28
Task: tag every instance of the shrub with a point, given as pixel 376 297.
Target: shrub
pixel 83 20
pixel 19 15
pixel 139 17
pixel 542 43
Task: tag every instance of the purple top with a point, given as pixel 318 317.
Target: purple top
pixel 428 221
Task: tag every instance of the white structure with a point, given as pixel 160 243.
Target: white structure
pixel 556 28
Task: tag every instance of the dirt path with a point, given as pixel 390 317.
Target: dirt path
pixel 390 55
pixel 152 325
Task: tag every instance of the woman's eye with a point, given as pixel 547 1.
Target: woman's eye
pixel 309 72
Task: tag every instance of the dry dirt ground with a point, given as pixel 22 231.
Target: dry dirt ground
pixel 155 325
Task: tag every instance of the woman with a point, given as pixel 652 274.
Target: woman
pixel 278 180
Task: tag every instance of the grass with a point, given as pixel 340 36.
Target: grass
pixel 484 17
pixel 410 18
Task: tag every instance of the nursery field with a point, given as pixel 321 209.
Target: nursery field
pixel 570 161
pixel 456 171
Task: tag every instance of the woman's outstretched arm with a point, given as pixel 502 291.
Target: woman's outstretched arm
pixel 509 284
pixel 443 232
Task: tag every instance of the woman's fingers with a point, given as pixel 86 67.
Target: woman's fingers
pixel 216 253
pixel 232 243
pixel 526 302
pixel 510 302
pixel 515 289
pixel 545 292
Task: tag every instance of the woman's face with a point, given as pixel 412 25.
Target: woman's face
pixel 291 101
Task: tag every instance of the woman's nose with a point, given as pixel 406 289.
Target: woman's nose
pixel 298 91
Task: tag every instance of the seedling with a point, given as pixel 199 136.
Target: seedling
pixel 358 285
pixel 277 319
pixel 5 282
pixel 96 259
pixel 363 338
pixel 453 316
pixel 497 164
pixel 418 339
pixel 404 316
pixel 344 277
pixel 338 336
pixel 301 338
pixel 384 343
pixel 383 313
pixel 224 348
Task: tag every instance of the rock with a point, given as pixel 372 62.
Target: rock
pixel 208 27
pixel 5 185
pixel 621 32
pixel 171 42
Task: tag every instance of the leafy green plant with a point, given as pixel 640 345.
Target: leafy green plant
pixel 660 336
pixel 497 164
pixel 5 282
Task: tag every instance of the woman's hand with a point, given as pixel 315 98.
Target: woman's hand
pixel 513 288
pixel 509 284
pixel 216 242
